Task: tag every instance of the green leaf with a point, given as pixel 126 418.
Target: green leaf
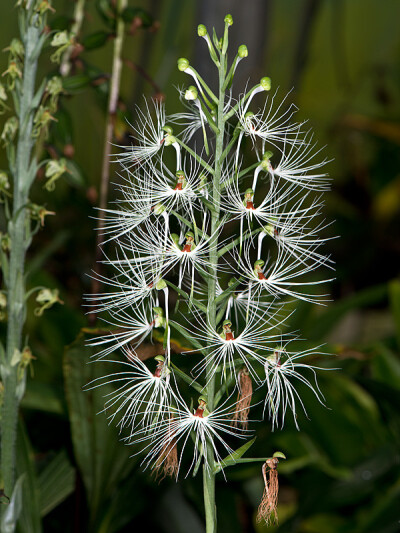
pixel 74 83
pixel 103 460
pixel 235 457
pixel 56 482
pixel 29 519
pixel 96 40
pixel 187 379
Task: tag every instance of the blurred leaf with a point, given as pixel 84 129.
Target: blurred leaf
pixel 43 397
pixel 96 40
pixel 56 482
pixel 130 13
pixel 394 299
pixel 74 176
pixel 12 510
pixel 383 515
pixel 102 459
pixel 326 320
pixel 75 83
pixel 107 11
pixel 385 366
pixel 29 520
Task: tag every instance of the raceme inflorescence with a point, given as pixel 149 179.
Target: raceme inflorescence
pixel 217 228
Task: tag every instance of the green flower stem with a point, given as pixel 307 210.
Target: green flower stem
pixel 19 231
pixel 208 473
pixel 241 101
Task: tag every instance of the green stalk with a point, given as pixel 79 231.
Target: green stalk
pixel 19 232
pixel 208 474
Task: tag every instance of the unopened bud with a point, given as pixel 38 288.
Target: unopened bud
pixel 168 130
pixel 265 83
pixel 169 139
pixel 183 64
pixel 228 20
pixel 159 209
pixel 242 51
pixel 161 285
pixel 201 30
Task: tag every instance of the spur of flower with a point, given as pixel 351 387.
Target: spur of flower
pixel 281 370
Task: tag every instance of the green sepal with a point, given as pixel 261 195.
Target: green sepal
pixel 234 457
pixel 279 455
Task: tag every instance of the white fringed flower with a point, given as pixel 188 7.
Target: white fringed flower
pixel 227 349
pixel 184 428
pixel 149 134
pixel 132 325
pixel 281 369
pixel 142 398
pixel 280 276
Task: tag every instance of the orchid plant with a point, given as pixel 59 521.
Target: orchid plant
pixel 208 250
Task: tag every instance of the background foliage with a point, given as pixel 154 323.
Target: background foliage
pixel 342 474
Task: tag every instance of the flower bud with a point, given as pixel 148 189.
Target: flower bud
pixel 228 20
pixel 192 93
pixel 201 30
pixel 242 51
pixel 169 139
pixel 168 130
pixel 267 155
pixel 183 64
pixel 161 285
pixel 265 83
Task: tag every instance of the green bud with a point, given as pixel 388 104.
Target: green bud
pixel 249 114
pixel 192 93
pixel 242 51
pixel 202 399
pixel 249 191
pixel 183 64
pixel 175 238
pixel 227 323
pixel 158 311
pixel 168 130
pixel 231 282
pixel 169 139
pixel 4 181
pixel 228 20
pixel 189 235
pixel 267 155
pixel 265 83
pixel 62 40
pixel 160 285
pixel 269 230
pixel 180 174
pixel 160 358
pixel 201 30
pixel 259 262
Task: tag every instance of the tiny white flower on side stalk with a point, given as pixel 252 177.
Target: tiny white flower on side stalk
pixel 281 369
pixel 203 426
pixel 141 397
